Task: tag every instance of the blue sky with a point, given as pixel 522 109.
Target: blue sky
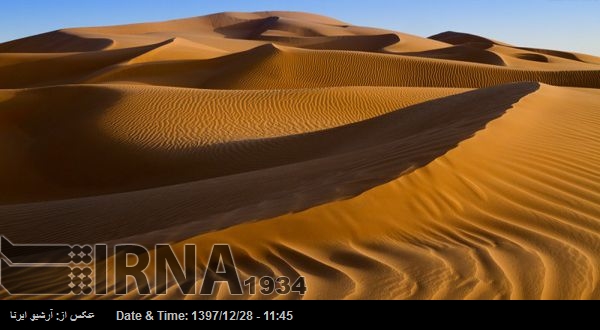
pixel 557 24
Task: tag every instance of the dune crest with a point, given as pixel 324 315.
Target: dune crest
pixel 377 164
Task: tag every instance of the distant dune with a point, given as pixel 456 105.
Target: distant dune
pixel 377 164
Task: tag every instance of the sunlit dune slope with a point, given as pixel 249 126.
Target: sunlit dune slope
pixel 511 213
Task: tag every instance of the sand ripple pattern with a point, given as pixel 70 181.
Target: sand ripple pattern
pixel 510 214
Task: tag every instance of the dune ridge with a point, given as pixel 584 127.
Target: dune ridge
pixel 377 164
pixel 498 226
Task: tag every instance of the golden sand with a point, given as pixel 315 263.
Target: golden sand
pixel 377 164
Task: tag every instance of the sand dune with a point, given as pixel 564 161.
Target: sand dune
pixel 377 164
pixel 279 67
pixel 510 213
pixel 56 42
pixel 175 135
pixel 328 165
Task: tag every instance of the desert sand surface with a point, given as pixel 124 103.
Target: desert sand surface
pixel 376 164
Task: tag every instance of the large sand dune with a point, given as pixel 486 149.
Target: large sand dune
pixel 377 164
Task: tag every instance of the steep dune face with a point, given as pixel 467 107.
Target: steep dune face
pixel 377 164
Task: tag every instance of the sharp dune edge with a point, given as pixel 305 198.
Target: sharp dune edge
pixel 377 164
